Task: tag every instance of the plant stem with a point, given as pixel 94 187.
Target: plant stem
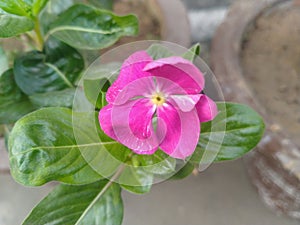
pixel 38 33
pixel 104 189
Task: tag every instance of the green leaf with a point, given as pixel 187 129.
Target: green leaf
pixel 104 4
pixel 67 204
pixel 95 91
pixel 17 7
pixel 12 25
pixel 28 8
pixel 192 53
pixel 51 11
pixel 62 98
pixel 158 163
pixel 3 61
pixel 235 131
pixel 56 68
pixel 184 172
pixel 43 148
pixel 58 144
pixel 158 51
pixel 136 180
pixel 86 27
pixel 13 103
pixel 37 6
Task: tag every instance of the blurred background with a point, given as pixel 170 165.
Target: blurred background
pixel 222 195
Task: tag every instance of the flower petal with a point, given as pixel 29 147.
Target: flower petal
pixel 178 70
pixel 126 130
pixel 105 121
pixel 140 118
pixel 183 131
pixel 131 69
pixel 141 87
pixel 206 109
pixel 186 102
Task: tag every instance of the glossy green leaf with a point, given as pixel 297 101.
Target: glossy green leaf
pixel 51 11
pixel 158 163
pixel 184 172
pixel 56 68
pixel 192 53
pixel 139 177
pixel 95 91
pixel 235 131
pixel 43 148
pixel 12 25
pixel 86 27
pixel 158 51
pixel 58 144
pixel 13 103
pixel 136 180
pixel 62 98
pixel 67 205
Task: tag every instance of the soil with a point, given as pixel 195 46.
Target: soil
pixel 271 63
pixel 149 27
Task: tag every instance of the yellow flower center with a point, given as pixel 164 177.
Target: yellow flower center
pixel 158 99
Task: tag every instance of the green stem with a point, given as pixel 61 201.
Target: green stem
pixel 38 33
pixel 104 189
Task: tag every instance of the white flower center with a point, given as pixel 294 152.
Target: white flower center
pixel 158 99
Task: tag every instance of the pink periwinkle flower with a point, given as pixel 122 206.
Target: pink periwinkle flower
pixel 157 104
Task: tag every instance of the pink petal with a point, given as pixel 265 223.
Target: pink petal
pixel 131 69
pixel 141 87
pixel 178 70
pixel 126 128
pixel 140 118
pixel 105 121
pixel 186 102
pixel 183 130
pixel 206 109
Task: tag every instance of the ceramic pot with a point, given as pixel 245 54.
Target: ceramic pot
pixel 274 166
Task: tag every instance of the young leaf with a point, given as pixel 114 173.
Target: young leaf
pixel 74 205
pixel 86 27
pixel 157 51
pixel 192 53
pixel 17 7
pixel 37 6
pixel 28 8
pixel 62 98
pixel 56 68
pixel 235 131
pixel 95 91
pixel 13 103
pixel 12 25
